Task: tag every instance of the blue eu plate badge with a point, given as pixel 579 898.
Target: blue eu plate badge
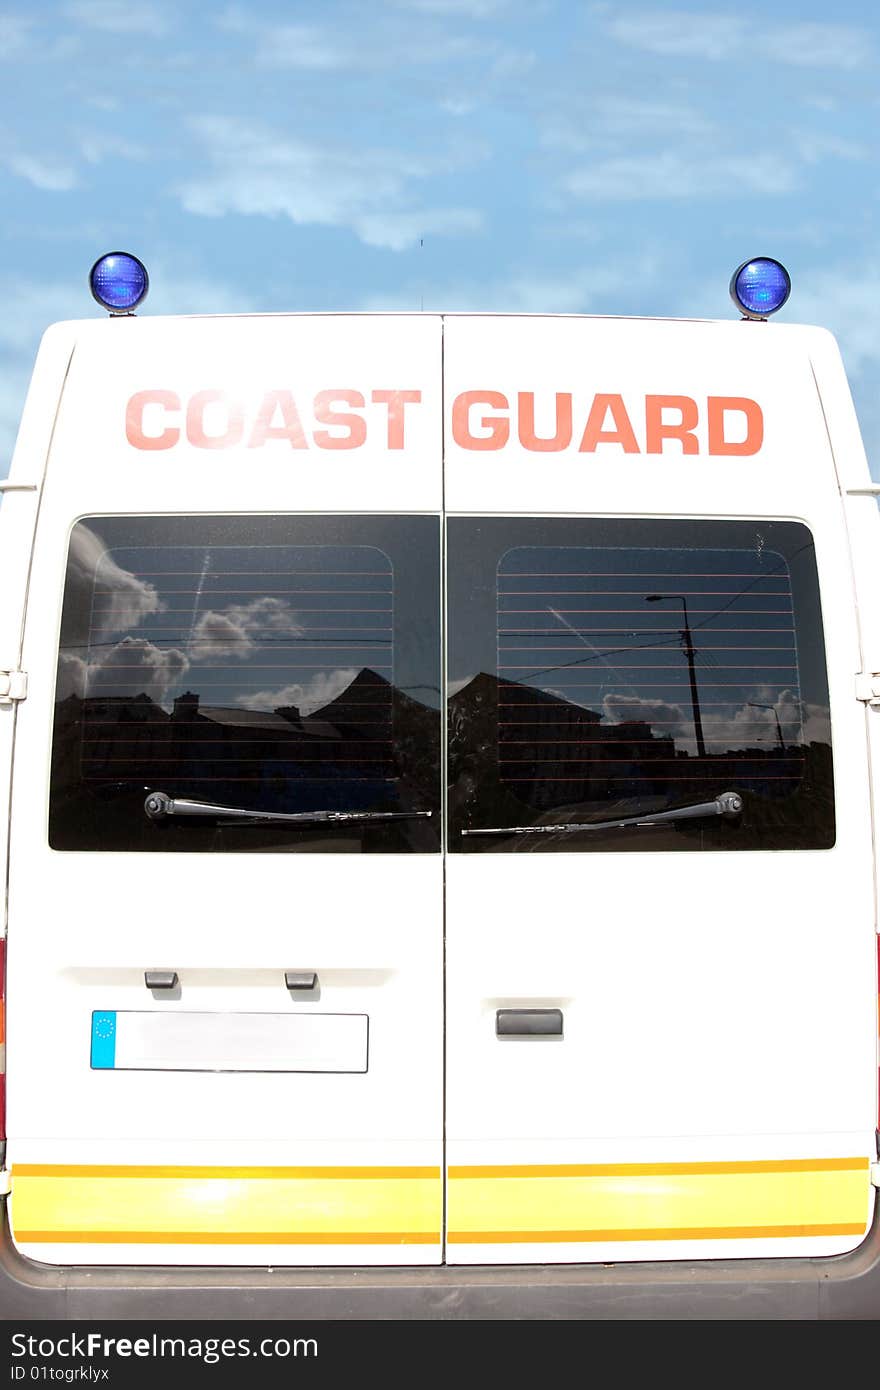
pixel 103 1040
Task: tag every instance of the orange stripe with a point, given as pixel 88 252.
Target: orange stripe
pixel 88 1170
pixel 560 1170
pixel 231 1237
pixel 652 1233
pixel 617 1170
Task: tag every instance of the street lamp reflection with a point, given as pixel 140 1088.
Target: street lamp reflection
pixel 689 653
pixel 755 705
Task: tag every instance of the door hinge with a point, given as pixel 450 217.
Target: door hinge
pixel 13 686
pixel 875 1174
pixel 5 1182
pixel 868 687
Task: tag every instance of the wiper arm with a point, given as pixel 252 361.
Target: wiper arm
pixel 160 806
pixel 727 804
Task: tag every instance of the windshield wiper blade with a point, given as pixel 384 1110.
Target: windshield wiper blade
pixel 160 806
pixel 727 804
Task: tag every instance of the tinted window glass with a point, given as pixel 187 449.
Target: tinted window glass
pixel 603 670
pixel 273 664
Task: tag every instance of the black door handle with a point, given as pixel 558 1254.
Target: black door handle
pixel 528 1023
pixel 160 979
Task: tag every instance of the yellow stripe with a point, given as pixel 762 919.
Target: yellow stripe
pixel 241 1206
pixel 658 1201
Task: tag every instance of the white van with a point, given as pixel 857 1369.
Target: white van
pixel 440 762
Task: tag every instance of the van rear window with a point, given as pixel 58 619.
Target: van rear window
pixel 606 670
pixel 273 666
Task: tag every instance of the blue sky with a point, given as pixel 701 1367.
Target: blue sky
pixel 523 155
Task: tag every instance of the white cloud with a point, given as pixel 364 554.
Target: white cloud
pixel 397 230
pixel 119 16
pixel 744 726
pixel 116 599
pixel 621 117
pixel 670 174
pixel 729 37
pixel 135 666
pixel 130 667
pixel 756 723
pixel 238 630
pixel 679 33
pixel 217 635
pixel 814 146
pixel 317 692
pixel 671 719
pixel 297 46
pixel 818 46
pixel 303 46
pixel 95 148
pixel 54 175
pixel 72 675
pixel 398 42
pixel 47 174
pixel 258 173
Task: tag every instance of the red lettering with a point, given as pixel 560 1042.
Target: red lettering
pixel 480 421
pixel 498 426
pixel 526 416
pixel 718 407
pixel 621 434
pixel 396 401
pixel 325 415
pixel 195 421
pixel 657 429
pixel 134 420
pixel 289 427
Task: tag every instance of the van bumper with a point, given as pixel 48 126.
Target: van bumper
pixel 843 1287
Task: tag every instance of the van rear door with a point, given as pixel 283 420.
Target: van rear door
pixel 660 901
pixel 225 923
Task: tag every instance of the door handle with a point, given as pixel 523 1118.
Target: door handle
pixel 160 979
pixel 528 1023
pixel 301 979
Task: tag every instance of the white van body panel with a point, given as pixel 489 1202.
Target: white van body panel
pixel 717 1074
pixel 230 934
pixel 626 947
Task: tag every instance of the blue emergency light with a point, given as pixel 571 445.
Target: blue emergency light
pixel 119 282
pixel 759 287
